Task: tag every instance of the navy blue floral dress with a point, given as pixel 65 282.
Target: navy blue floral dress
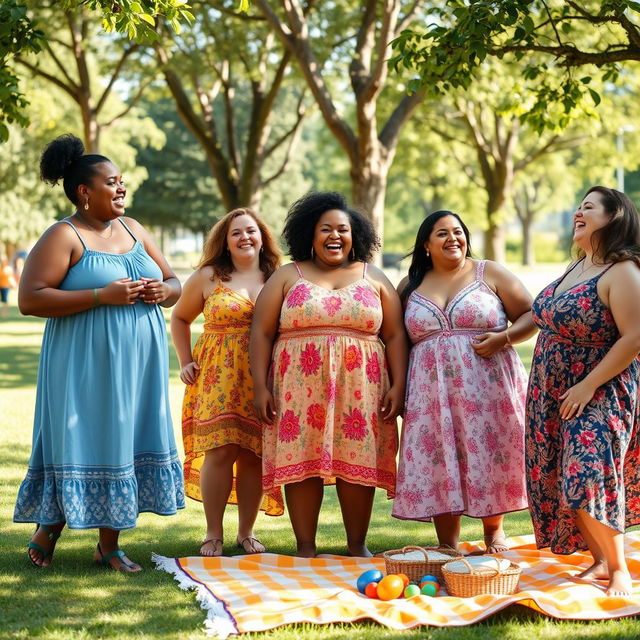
pixel 591 462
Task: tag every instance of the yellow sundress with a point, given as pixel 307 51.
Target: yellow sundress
pixel 218 408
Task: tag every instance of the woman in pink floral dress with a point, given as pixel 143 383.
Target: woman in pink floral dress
pixel 462 446
pixel 328 406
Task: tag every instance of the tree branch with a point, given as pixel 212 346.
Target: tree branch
pixel 114 76
pixel 132 102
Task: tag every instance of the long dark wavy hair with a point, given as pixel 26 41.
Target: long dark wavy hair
pixel 420 261
pixel 619 239
pixel 215 251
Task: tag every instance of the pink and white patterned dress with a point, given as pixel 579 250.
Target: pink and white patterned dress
pixel 462 449
pixel 329 377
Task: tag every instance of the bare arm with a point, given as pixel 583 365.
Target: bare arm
pixel 624 302
pixel 264 327
pixel 45 269
pixel 188 308
pixel 516 301
pixel 396 344
pixel 167 292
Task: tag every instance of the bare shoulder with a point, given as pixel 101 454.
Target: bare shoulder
pixel 623 272
pixel 378 276
pixel 402 285
pixel 133 224
pixel 59 234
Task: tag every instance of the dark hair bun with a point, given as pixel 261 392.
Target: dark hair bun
pixel 58 156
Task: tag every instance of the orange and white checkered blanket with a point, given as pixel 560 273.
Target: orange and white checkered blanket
pixel 264 591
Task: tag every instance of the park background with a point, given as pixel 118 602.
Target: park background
pixel 210 107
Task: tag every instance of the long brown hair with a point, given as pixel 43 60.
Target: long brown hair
pixel 619 239
pixel 215 252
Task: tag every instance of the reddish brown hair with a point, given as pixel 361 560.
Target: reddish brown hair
pixel 215 252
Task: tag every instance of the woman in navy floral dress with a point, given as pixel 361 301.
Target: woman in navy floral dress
pixel 582 445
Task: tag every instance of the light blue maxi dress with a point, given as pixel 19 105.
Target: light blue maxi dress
pixel 103 447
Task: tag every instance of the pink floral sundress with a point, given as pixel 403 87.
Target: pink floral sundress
pixel 329 377
pixel 462 449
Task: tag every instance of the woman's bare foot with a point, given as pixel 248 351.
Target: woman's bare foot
pixel 597 571
pixel 306 550
pixel 359 551
pixel 496 543
pixel 211 548
pixel 620 583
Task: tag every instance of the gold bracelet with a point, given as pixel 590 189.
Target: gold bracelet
pixel 96 299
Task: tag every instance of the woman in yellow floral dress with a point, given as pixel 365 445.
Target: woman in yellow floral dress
pixel 329 409
pixel 221 433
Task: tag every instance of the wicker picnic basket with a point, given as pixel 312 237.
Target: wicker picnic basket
pixel 415 569
pixel 493 580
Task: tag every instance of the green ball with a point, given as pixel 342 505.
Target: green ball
pixel 429 589
pixel 411 590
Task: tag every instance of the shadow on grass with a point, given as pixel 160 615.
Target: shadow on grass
pixel 18 366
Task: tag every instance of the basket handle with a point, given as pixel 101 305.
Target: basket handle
pixel 474 571
pixel 416 548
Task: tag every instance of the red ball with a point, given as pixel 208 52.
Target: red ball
pixel 371 590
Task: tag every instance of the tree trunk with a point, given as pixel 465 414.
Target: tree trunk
pixel 494 242
pixel 528 254
pixel 368 189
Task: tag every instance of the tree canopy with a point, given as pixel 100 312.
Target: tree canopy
pixel 583 39
pixel 18 36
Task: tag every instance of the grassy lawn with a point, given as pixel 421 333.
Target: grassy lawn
pixel 76 599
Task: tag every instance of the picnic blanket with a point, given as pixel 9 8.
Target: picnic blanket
pixel 263 591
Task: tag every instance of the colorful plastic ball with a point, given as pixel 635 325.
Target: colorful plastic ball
pixel 405 578
pixel 428 578
pixel 373 575
pixel 435 585
pixel 371 590
pixel 411 590
pixel 429 589
pixel 390 587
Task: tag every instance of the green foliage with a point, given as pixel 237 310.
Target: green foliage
pixel 179 190
pixel 580 39
pixel 18 36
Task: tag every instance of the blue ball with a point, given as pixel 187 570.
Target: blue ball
pixel 429 579
pixel 373 575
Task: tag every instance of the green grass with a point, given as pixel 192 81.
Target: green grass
pixel 74 599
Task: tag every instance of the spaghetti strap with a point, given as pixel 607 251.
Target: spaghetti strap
pixel 480 270
pixel 77 233
pixel 122 222
pixel 364 269
pixel 295 264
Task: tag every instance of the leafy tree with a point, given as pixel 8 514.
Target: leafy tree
pixel 334 40
pixel 19 37
pixel 582 39
pixel 179 190
pixel 233 87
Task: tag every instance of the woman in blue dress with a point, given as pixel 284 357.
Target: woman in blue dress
pixel 103 447
pixel 582 445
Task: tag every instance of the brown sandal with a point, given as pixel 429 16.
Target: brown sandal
pixel 496 543
pixel 217 547
pixel 251 545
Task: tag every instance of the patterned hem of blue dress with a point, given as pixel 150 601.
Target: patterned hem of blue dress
pixel 101 497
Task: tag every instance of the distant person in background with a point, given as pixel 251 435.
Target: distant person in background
pixel 583 445
pixel 220 429
pixel 328 328
pixel 103 448
pixel 18 264
pixel 462 450
pixel 7 282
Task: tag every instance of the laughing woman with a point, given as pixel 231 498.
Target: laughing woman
pixel 319 328
pixel 103 446
pixel 582 443
pixel 220 430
